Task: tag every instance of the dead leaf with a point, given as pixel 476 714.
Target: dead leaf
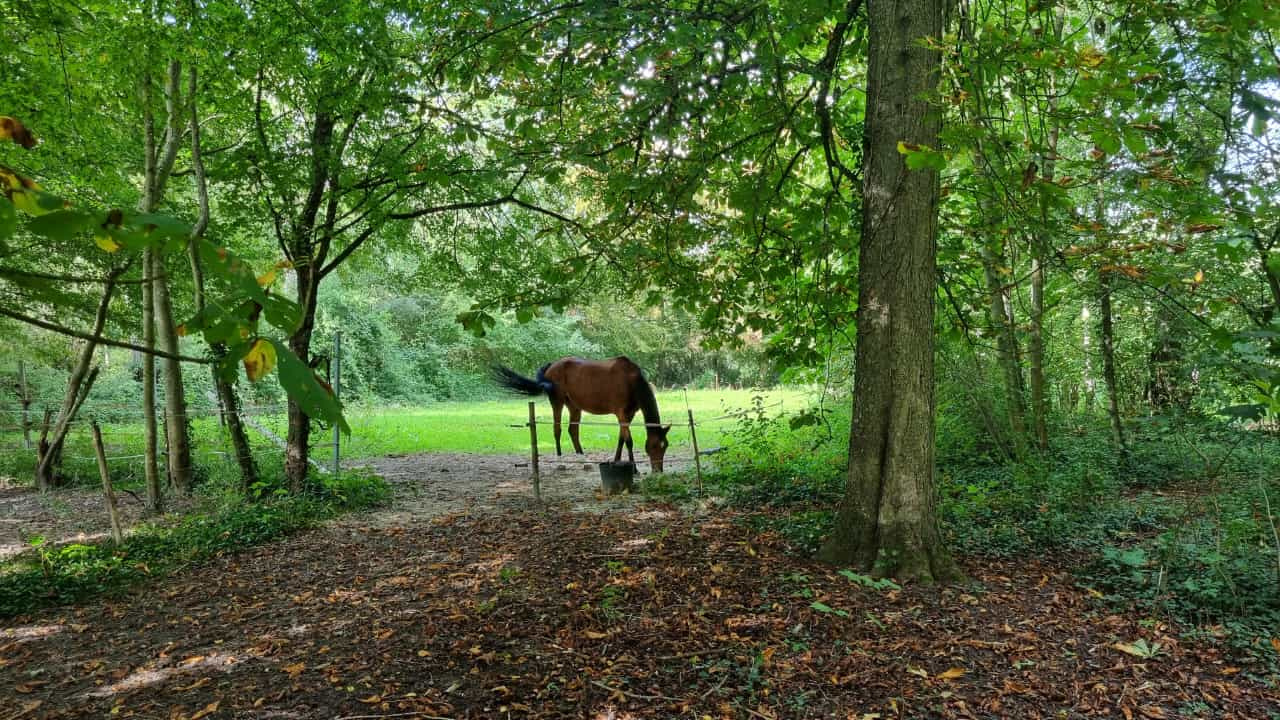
pixel 295 669
pixel 593 635
pixel 952 674
pixel 371 700
pixel 918 671
pixel 30 687
pixel 1275 643
pixel 209 709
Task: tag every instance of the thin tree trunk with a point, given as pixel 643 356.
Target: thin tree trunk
pixel 228 403
pixel 78 385
pixel 177 436
pixel 1000 317
pixel 887 523
pixel 1105 287
pixel 299 437
pixel 150 461
pixel 1039 254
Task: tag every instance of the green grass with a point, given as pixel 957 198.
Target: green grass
pixel 489 427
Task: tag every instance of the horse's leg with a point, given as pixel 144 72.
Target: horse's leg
pixel 630 455
pixel 622 437
pixel 575 417
pixel 556 408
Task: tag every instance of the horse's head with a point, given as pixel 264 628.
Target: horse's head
pixel 656 445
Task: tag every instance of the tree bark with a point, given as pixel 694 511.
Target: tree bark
pixel 298 440
pixel 78 385
pixel 1106 320
pixel 1000 317
pixel 228 403
pixel 150 459
pixel 177 432
pixel 887 523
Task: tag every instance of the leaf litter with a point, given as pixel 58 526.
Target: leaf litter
pixel 657 613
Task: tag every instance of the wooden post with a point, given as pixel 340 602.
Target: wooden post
pixel 26 404
pixel 697 460
pixel 117 533
pixel 533 446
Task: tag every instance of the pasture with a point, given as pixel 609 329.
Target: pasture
pixel 488 427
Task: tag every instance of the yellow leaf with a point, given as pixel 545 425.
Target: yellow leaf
pixel 952 674
pixel 1275 643
pixel 918 671
pixel 592 634
pixel 209 709
pixel 372 700
pixel 106 243
pixel 260 359
pixel 267 278
pixel 11 129
pixel 181 330
pixel 295 669
pixel 1199 278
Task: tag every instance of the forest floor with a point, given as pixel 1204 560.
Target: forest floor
pixel 464 600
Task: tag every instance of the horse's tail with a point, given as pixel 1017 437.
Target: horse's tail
pixel 517 383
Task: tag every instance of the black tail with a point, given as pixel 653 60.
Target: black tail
pixel 517 383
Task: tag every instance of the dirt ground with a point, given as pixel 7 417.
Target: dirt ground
pixel 465 599
pixel 426 486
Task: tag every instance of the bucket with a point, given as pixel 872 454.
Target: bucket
pixel 617 477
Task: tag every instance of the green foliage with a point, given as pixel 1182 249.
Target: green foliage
pixel 75 572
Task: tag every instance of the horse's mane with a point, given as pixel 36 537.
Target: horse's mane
pixel 648 403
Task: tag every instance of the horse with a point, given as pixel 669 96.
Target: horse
pixel 601 387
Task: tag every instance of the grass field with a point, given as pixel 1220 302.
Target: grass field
pixel 493 427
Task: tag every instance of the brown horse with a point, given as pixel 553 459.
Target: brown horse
pixel 601 387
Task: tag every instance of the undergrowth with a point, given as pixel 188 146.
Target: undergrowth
pixel 1183 524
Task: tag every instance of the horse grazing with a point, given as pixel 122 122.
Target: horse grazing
pixel 600 387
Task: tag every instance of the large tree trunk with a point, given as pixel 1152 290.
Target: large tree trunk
pixel 887 523
pixel 49 460
pixel 1106 320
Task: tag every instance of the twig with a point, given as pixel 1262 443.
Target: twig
pixel 697 653
pixel 637 696
pixel 414 714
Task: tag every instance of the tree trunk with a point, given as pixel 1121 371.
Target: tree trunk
pixel 1105 287
pixel 887 523
pixel 228 403
pixel 177 436
pixel 1000 317
pixel 299 438
pixel 78 385
pixel 150 461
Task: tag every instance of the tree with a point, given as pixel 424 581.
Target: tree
pixel 887 523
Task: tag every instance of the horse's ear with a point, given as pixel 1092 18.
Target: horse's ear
pixel 666 429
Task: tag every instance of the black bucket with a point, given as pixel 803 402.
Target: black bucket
pixel 617 477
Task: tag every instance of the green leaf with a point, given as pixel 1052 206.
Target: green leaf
pixel 8 218
pixel 61 225
pixel 305 389
pixel 1252 411
pixel 524 315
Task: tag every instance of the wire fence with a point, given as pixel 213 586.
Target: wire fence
pixel 493 428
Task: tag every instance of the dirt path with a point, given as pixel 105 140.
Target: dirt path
pixel 429 485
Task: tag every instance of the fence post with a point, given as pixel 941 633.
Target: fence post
pixel 337 395
pixel 117 532
pixel 26 404
pixel 533 449
pixel 697 459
